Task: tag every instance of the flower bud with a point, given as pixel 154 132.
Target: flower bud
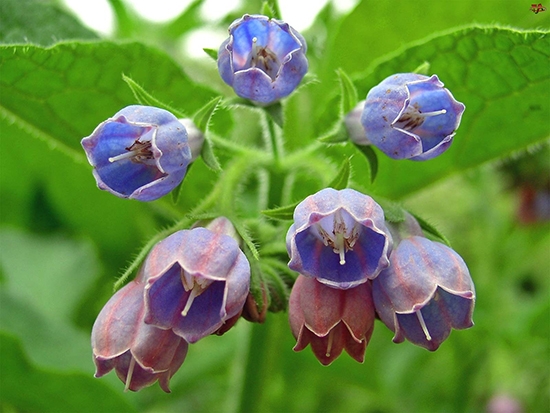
pixel 331 319
pixel 263 59
pixel 140 153
pixel 195 137
pixel 411 116
pixel 140 353
pixel 339 237
pixel 426 291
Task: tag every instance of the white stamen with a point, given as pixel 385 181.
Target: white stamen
pixel 130 373
pixel 329 345
pixel 340 239
pixel 339 247
pixel 195 292
pixel 434 113
pixel 264 58
pixel 196 285
pixel 423 325
pixel 129 154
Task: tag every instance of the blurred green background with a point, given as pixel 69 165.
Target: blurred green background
pixel 63 242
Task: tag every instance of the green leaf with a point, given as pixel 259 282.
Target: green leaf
pixel 147 99
pixel 372 159
pixel 341 180
pixel 392 24
pixel 39 22
pixel 62 93
pixel 284 213
pixel 59 259
pixel 69 188
pixel 348 93
pixel 211 52
pixel 185 22
pixel 29 388
pixel 497 73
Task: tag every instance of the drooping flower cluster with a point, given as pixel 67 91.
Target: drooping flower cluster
pixel 190 285
pixel 342 248
pixel 353 265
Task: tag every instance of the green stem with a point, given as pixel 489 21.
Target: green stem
pixel 235 147
pixel 237 373
pixel 273 141
pixel 263 363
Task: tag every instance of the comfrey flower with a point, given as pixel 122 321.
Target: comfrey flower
pixel 197 280
pixel 141 153
pixel 426 291
pixel 331 319
pixel 410 116
pixel 263 59
pixel 339 237
pixel 140 353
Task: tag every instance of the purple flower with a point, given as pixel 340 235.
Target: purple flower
pixel 339 237
pixel 411 116
pixel 331 319
pixel 426 291
pixel 140 153
pixel 263 59
pixel 140 353
pixel 197 280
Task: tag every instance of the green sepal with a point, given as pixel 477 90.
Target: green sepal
pixel 337 134
pixel 278 291
pixel 211 52
pixel 270 8
pixel 247 239
pixel 209 157
pixel 201 119
pixel 348 93
pixel 175 193
pixel 146 99
pixel 393 211
pixel 341 180
pixel 348 100
pixel 431 230
pixel 275 112
pixel 284 213
pixel 372 159
pixel 423 69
